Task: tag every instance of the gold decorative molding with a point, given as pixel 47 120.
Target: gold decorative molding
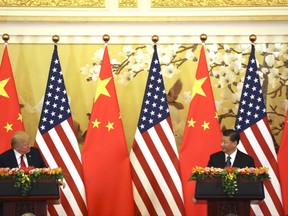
pixel 142 10
pixel 127 3
pixel 216 3
pixel 134 3
pixel 141 18
pixel 55 3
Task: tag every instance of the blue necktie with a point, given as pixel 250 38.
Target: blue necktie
pixel 228 161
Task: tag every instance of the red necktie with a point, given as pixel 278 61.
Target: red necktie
pixel 22 163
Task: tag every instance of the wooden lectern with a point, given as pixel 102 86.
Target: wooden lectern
pixel 43 192
pixel 218 203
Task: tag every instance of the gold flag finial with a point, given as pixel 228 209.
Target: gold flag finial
pixel 6 37
pixel 252 38
pixel 106 38
pixel 155 38
pixel 203 38
pixel 55 39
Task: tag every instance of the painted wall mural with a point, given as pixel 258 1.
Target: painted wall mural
pixel 81 65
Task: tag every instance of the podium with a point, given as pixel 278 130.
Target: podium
pixel 44 191
pixel 219 203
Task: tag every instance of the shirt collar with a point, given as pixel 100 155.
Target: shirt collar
pixel 17 154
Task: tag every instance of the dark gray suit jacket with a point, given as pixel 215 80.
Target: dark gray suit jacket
pixel 241 160
pixel 34 158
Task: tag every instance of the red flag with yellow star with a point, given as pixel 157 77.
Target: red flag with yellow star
pixel 105 158
pixel 10 114
pixel 283 165
pixel 202 135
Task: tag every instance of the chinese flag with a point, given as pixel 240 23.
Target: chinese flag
pixel 10 114
pixel 105 158
pixel 202 135
pixel 283 165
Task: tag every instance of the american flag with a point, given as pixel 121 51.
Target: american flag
pixel 56 139
pixel 154 158
pixel 256 138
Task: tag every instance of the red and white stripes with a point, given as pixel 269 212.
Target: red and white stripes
pixel 257 142
pixel 59 147
pixel 155 172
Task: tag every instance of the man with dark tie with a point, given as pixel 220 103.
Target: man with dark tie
pixel 230 155
pixel 21 153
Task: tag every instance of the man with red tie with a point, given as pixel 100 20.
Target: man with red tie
pixel 21 153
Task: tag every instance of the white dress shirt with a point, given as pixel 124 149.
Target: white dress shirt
pixel 232 156
pixel 18 157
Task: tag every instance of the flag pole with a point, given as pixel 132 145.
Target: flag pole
pixel 252 38
pixel 106 38
pixel 5 37
pixel 55 39
pixel 203 38
pixel 155 39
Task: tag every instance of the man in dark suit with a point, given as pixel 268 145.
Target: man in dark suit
pixel 230 155
pixel 21 147
pixel 21 154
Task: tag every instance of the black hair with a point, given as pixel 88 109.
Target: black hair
pixel 233 135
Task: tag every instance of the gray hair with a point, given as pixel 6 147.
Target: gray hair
pixel 19 137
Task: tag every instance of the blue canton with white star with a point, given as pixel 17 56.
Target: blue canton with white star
pixel 56 108
pixel 252 105
pixel 155 106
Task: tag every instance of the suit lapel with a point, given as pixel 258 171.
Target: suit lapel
pixel 223 162
pixel 237 160
pixel 29 158
pixel 13 159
